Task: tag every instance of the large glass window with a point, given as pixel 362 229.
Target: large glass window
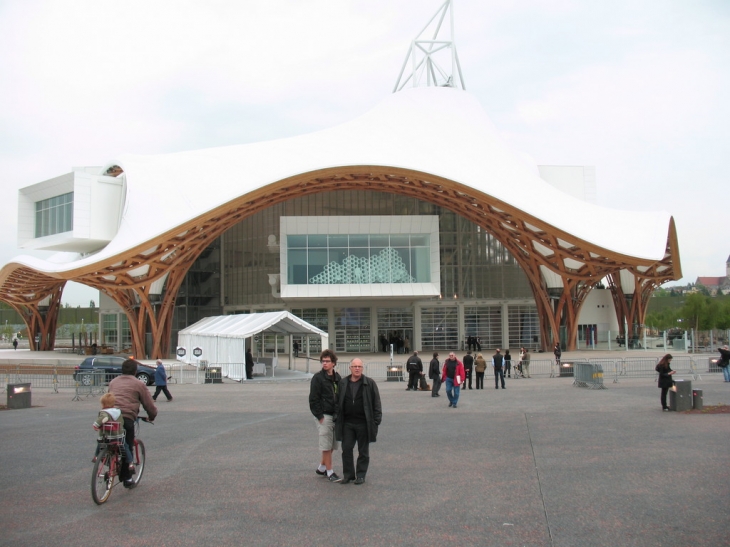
pixel 524 327
pixel 54 215
pixel 317 259
pixel 110 335
pixel 314 316
pixel 395 326
pixel 485 323
pixel 352 329
pixel 439 328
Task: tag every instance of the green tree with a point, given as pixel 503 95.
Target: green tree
pixel 722 319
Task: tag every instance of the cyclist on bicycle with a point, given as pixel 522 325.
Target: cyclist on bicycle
pixel 129 393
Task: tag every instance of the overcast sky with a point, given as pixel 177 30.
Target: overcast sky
pixel 640 90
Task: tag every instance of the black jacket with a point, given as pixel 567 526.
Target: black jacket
pixel 468 362
pixel 371 404
pixel 665 379
pixel 414 364
pixel 433 369
pixel 322 398
pixel 724 357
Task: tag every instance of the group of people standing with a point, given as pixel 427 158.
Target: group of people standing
pixel 457 375
pixel 401 344
pixel 347 412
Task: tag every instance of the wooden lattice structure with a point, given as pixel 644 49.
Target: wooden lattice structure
pixel 537 246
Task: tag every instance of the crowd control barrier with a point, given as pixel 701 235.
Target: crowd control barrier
pixel 588 375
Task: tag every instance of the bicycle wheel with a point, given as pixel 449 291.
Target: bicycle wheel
pixel 139 460
pixel 102 480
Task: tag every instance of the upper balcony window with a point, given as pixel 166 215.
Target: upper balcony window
pixel 54 215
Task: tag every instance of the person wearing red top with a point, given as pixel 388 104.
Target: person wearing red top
pixel 453 374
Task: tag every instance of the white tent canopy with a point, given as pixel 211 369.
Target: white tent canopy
pixel 222 338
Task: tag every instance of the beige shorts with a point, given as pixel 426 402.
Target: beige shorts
pixel 326 431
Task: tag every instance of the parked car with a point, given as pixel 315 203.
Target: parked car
pixel 84 372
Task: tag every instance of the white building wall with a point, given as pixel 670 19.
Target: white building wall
pixel 96 211
pixel 599 310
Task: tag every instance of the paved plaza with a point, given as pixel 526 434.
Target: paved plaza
pixel 541 463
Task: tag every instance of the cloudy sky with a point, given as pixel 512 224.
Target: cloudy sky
pixel 640 90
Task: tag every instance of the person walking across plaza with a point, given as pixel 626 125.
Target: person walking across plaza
pixel 507 363
pixel 557 351
pixel 161 382
pixel 525 362
pixel 724 362
pixel 358 421
pixel 468 368
pixel 452 375
pixel 414 367
pixel 435 374
pixel 497 362
pixel 323 400
pixel 665 378
pixel 480 365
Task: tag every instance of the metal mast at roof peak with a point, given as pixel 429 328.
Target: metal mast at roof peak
pixel 434 61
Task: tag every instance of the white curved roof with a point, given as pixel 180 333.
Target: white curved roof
pixel 441 131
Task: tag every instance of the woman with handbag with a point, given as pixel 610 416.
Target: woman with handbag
pixel 665 378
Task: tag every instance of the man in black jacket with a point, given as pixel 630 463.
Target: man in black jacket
pixel 323 402
pixel 468 367
pixel 359 418
pixel 497 361
pixel 435 374
pixel 414 367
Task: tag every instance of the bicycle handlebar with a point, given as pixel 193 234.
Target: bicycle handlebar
pixel 146 419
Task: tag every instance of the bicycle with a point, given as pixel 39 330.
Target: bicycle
pixel 109 463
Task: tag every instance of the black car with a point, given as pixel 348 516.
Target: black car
pixel 84 372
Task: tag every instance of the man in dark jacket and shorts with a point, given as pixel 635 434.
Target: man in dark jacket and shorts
pixel 360 416
pixel 323 402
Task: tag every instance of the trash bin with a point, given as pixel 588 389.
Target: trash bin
pixel 213 375
pixel 18 396
pixel 697 402
pixel 681 399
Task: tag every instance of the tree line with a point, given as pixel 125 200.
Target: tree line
pixel 699 312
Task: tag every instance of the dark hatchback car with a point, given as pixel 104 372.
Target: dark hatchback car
pixel 89 371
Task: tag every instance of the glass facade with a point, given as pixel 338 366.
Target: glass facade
pixel 109 332
pixel 320 259
pixel 238 274
pixel 524 327
pixel 314 316
pixel 54 215
pixel 352 329
pixel 485 323
pixel 395 326
pixel 439 328
pixel 473 263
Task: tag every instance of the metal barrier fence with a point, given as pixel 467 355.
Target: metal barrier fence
pixel 93 383
pixel 588 375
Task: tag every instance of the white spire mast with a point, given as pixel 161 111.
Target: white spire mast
pixel 434 62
